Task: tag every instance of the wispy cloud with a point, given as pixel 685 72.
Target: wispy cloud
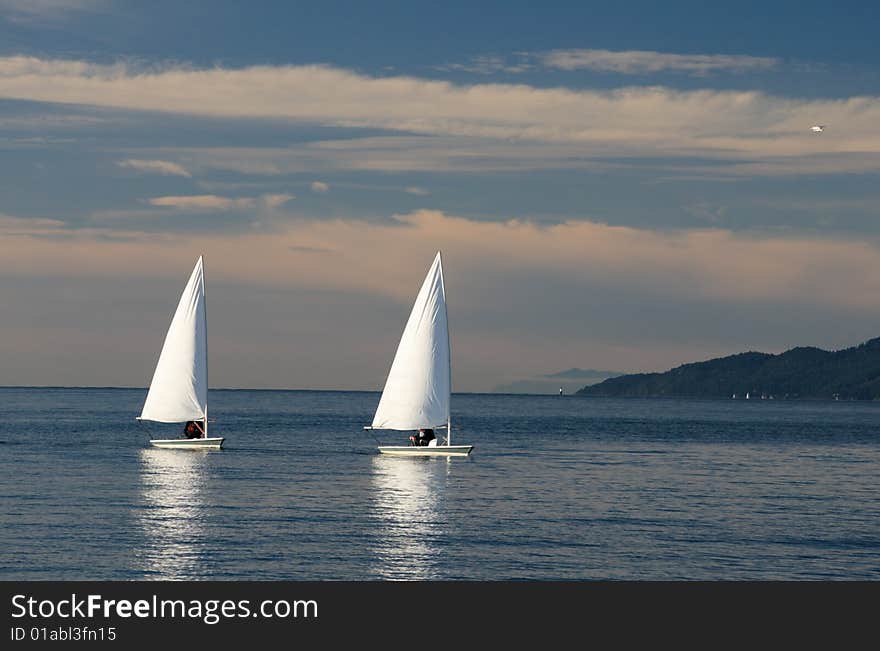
pixel 634 121
pixel 157 166
pixel 622 62
pixel 319 187
pixel 28 226
pixel 640 62
pixel 202 202
pixel 34 142
pixel 18 229
pixel 239 160
pixel 706 211
pixel 277 200
pixel 419 192
pixel 213 202
pixel 487 65
pixel 456 154
pixel 49 121
pixel 179 215
pixel 46 11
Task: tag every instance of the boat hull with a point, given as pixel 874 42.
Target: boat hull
pixel 427 450
pixel 189 444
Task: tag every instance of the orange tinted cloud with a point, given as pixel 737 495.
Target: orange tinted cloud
pixel 354 255
pixel 165 167
pixel 320 303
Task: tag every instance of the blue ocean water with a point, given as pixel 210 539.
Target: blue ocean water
pixel 557 488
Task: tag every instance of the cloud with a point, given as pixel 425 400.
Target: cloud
pixel 457 154
pixel 712 263
pixel 643 122
pixel 624 62
pixel 36 142
pixel 157 166
pixel 277 200
pixel 419 192
pixel 639 62
pixel 213 202
pixel 319 187
pixel 249 161
pixel 202 202
pixel 41 229
pixel 29 226
pixel 49 121
pixel 706 211
pixel 487 65
pixel 619 297
pixel 46 11
pixel 386 153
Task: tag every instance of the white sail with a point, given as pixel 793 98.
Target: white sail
pixel 416 393
pixel 179 390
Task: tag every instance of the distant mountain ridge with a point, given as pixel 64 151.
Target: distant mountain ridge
pixel 583 374
pixel 804 372
pixel 569 380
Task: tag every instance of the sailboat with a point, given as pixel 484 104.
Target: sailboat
pixel 179 389
pixel 419 384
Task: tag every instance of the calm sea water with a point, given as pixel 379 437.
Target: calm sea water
pixel 557 488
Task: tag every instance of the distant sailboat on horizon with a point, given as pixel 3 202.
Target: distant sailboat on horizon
pixel 179 388
pixel 419 385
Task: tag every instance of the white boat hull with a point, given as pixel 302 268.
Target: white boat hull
pixel 427 450
pixel 189 444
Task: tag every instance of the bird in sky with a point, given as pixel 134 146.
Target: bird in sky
pixel 817 128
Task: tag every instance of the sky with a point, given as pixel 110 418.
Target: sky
pixel 622 186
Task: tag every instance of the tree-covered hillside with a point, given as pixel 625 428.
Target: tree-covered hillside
pixel 797 373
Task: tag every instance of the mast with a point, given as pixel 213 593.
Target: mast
pixel 205 298
pixel 449 351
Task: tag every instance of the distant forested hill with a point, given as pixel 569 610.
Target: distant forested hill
pixel 797 373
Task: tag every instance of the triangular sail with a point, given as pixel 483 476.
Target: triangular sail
pixel 417 390
pixel 179 390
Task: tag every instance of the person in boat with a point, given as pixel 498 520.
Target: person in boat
pixel 425 436
pixel 192 430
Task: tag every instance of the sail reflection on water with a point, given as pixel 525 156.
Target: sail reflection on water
pixel 172 513
pixel 408 499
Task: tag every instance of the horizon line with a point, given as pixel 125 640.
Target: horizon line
pixel 129 388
